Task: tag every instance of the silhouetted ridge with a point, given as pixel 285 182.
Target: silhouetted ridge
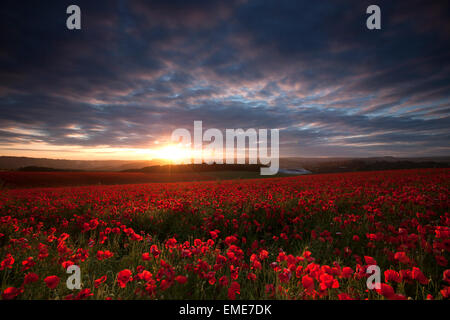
pixel 180 168
pixel 46 169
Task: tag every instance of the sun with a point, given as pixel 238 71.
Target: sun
pixel 174 153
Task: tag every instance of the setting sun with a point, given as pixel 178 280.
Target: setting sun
pixel 174 153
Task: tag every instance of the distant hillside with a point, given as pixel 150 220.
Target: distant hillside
pixel 331 165
pixel 45 169
pixel 14 163
pixel 292 162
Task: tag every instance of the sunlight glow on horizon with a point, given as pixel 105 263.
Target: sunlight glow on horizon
pixel 174 153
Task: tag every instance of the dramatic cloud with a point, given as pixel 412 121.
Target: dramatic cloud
pixel 139 69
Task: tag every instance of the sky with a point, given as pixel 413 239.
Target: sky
pixel 137 70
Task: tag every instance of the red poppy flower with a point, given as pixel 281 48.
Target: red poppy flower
pixel 28 263
pixel 30 278
pixel 164 285
pixel 344 296
pixel 52 281
pixel 67 264
pixel 299 271
pixel 154 251
pixel 402 257
pixel 446 276
pixel 445 292
pixel 370 260
pixel 346 272
pixel 124 277
pixel 214 234
pixel 327 281
pixel 10 293
pixel 84 293
pixel 419 276
pixel 308 282
pixel 441 261
pixel 386 290
pixel 270 290
pixel 146 256
pixel 285 275
pixel 251 276
pixel 7 262
pixel 181 279
pixel 233 290
pixel 392 275
pixel 144 275
pixel 99 281
pixel 263 254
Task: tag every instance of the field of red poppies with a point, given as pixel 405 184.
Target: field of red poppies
pixel 306 237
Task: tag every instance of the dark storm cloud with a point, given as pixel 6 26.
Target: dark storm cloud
pixel 139 69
